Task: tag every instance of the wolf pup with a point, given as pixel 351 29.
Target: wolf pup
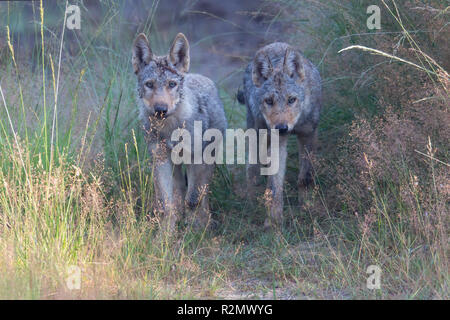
pixel 282 90
pixel 171 98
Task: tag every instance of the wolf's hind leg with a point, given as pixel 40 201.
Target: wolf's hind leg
pixel 306 147
pixel 253 177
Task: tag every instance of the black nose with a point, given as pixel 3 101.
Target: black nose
pixel 282 128
pixel 161 108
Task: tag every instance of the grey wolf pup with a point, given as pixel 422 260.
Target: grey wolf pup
pixel 282 90
pixel 171 98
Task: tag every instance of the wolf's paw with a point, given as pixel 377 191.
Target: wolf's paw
pixel 168 224
pixel 274 220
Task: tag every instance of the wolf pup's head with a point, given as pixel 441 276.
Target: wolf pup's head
pixel 281 89
pixel 160 78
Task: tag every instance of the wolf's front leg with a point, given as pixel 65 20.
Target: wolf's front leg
pixel 306 146
pixel 274 193
pixel 199 178
pixel 179 189
pixel 252 169
pixel 163 170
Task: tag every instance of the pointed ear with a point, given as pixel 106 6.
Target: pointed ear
pixel 293 65
pixel 142 54
pixel 262 69
pixel 179 53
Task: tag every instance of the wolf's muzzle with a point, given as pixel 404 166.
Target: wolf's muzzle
pixel 161 109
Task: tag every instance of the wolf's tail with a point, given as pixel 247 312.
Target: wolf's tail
pixel 240 96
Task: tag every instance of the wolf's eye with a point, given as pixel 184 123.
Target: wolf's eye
pixel 291 100
pixel 269 101
pixel 172 84
pixel 149 84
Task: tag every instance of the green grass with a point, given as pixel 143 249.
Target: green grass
pixel 85 197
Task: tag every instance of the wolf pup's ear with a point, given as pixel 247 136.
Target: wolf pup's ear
pixel 142 54
pixel 262 69
pixel 292 65
pixel 179 53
